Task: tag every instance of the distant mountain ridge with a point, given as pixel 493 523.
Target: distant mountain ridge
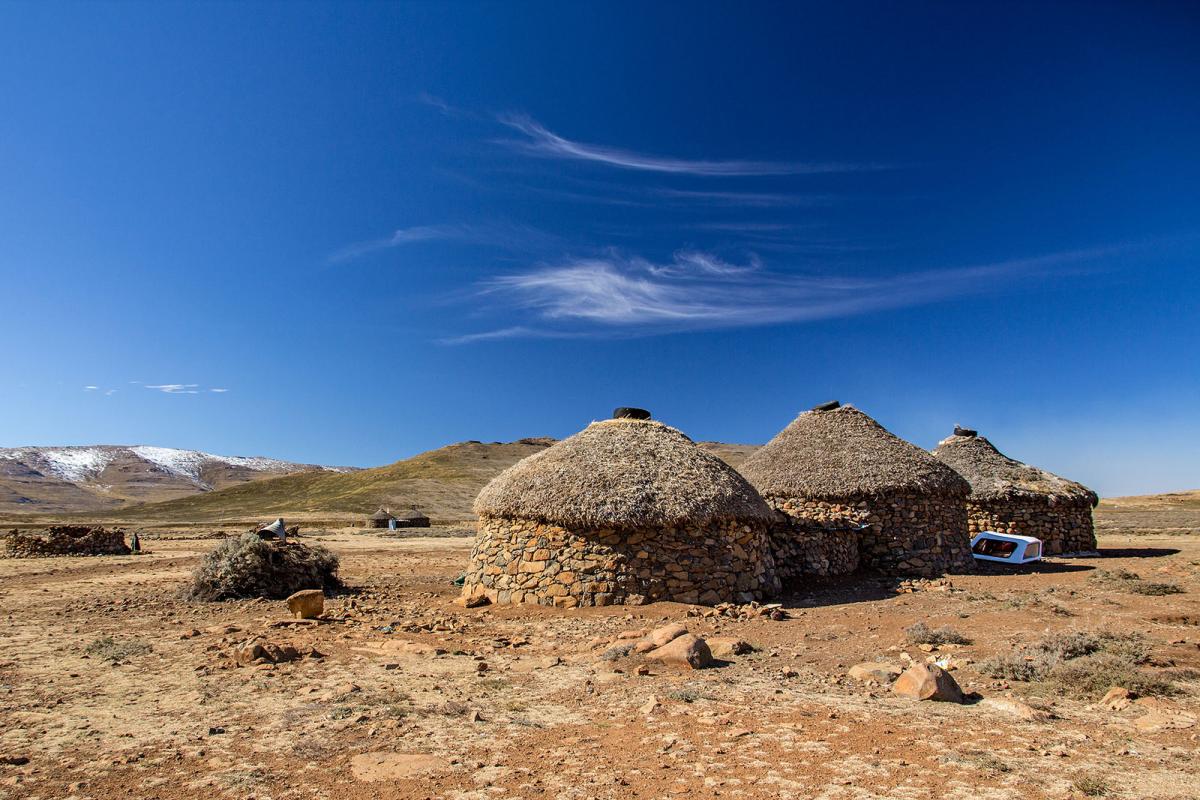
pixel 107 477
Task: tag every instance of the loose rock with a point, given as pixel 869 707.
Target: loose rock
pixel 927 682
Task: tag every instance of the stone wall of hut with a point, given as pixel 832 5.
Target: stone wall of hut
pixel 522 561
pixel 1063 527
pixel 805 546
pixel 65 540
pixel 907 534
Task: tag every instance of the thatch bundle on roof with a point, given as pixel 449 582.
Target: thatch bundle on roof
pixel 834 465
pixel 1009 496
pixel 250 566
pixel 626 510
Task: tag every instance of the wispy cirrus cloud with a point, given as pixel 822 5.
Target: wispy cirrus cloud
pixel 497 234
pixel 541 141
pixel 623 295
pixel 175 388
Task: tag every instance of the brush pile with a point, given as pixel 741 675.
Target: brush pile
pixel 253 567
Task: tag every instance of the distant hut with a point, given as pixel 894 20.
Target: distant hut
pixel 412 518
pixel 628 510
pixel 837 474
pixel 1008 496
pixel 384 518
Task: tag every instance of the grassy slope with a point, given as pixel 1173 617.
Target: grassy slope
pixel 441 482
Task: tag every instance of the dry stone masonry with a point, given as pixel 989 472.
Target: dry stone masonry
pixel 65 540
pixel 805 541
pixel 1064 526
pixel 834 469
pixel 1010 496
pixel 524 561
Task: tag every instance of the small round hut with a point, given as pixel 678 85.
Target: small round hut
pixel 380 519
pixel 1008 496
pixel 839 475
pixel 628 510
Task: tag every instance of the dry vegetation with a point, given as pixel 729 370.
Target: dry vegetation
pixel 113 685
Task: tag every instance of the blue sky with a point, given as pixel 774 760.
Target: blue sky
pixel 347 233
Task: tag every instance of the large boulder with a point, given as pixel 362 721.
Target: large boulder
pixel 927 682
pixel 688 650
pixel 660 636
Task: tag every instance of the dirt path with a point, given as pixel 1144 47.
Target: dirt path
pixel 111 686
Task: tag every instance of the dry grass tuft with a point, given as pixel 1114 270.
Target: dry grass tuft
pixel 1091 785
pixel 1132 582
pixel 252 567
pixel 109 649
pixel 1081 664
pixel 920 633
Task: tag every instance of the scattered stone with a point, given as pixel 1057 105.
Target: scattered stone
pixel 473 601
pixel 649 706
pixel 687 650
pixel 879 672
pixel 1117 698
pixel 307 604
pixel 660 636
pixel 1016 708
pixel 726 646
pixel 14 761
pixel 927 682
pixel 259 651
pixel 1156 720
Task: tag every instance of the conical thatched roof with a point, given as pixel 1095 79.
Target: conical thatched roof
pixel 622 473
pixel 995 476
pixel 381 514
pixel 842 452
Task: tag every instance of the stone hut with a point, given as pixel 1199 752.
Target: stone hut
pixel 628 510
pixel 380 519
pixel 854 494
pixel 1008 496
pixel 410 518
pixel 66 540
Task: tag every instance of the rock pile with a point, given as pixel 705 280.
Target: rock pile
pixel 66 540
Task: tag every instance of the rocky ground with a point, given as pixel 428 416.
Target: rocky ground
pixel 112 686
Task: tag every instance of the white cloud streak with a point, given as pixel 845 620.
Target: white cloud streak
pixel 696 291
pixel 497 234
pixel 175 388
pixel 542 142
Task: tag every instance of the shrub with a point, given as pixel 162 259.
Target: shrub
pixel 252 567
pixel 1091 785
pixel 109 649
pixel 1155 589
pixel 921 633
pixel 1091 676
pixel 1081 663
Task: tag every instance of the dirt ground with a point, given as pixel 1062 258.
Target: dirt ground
pixel 112 686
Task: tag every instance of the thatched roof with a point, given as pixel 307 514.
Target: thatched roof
pixel 843 453
pixel 622 473
pixel 995 476
pixel 381 514
pixel 411 513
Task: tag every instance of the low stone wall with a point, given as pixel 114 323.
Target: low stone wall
pixel 805 547
pixel 66 540
pixel 906 534
pixel 1063 527
pixel 521 561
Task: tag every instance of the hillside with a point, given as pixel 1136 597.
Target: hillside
pixel 1170 513
pixel 442 483
pixel 98 478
